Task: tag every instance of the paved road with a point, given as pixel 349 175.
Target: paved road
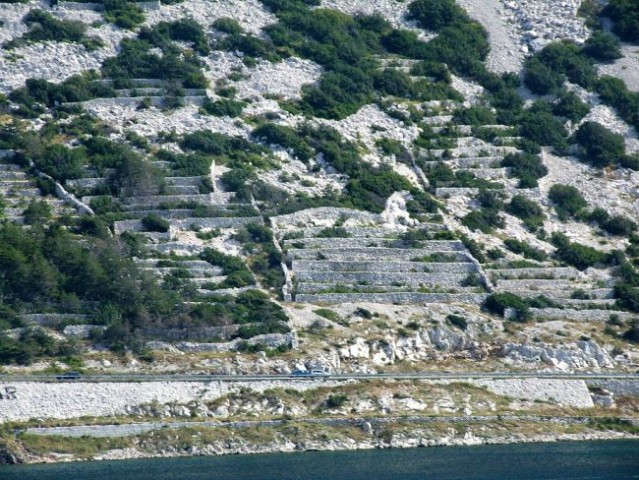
pixel 348 376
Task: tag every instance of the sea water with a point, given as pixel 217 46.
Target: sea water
pixel 603 460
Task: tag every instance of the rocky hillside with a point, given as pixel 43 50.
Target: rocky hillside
pixel 352 185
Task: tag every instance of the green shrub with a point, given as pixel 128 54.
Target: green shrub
pixel 77 88
pixel 566 58
pixel 333 232
pixel 60 162
pixel 632 334
pixel 488 217
pixel 135 59
pixel 570 106
pixel 528 210
pixel 228 263
pixel 599 146
pixel 184 30
pixel 541 79
pixel 328 314
pixel 603 47
pixel 475 116
pixel 484 220
pixel 627 296
pixel 227 25
pixel 223 107
pixel 525 166
pixel 567 199
pixel 497 303
pixel 436 14
pixel 625 15
pixel 457 321
pixel 579 256
pixel 614 92
pixel 124 13
pixel 522 248
pixel 336 400
pixel 473 247
pixel 188 165
pixel 238 279
pixel 285 137
pixel 45 27
pixel 37 212
pixel 619 225
pixel 155 223
pixel 540 126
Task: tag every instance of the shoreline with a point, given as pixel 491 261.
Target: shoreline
pixel 230 444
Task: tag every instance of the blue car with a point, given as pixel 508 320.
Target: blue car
pixel 69 376
pixel 309 373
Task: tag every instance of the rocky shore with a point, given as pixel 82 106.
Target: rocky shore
pixel 171 443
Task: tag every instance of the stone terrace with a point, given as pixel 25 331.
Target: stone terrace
pixel 373 263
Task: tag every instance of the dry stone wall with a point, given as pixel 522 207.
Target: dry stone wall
pixel 32 400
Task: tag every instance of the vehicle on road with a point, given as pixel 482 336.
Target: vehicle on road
pixel 310 373
pixel 69 376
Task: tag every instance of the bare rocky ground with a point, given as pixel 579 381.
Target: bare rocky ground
pixel 363 336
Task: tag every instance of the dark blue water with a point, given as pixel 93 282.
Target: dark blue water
pixel 611 460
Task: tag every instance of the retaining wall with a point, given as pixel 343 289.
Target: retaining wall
pixel 372 254
pixel 578 315
pixel 400 298
pixel 187 223
pixel 324 215
pixel 372 266
pixel 380 278
pixel 32 400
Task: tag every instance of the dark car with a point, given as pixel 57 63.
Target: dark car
pixel 69 376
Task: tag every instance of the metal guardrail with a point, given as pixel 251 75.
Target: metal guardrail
pixel 204 378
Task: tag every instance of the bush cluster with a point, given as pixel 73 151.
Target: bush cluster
pixel 523 248
pixel 527 167
pixel 567 199
pixel 625 15
pixel 488 217
pixel 45 27
pixel 579 256
pixel 124 13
